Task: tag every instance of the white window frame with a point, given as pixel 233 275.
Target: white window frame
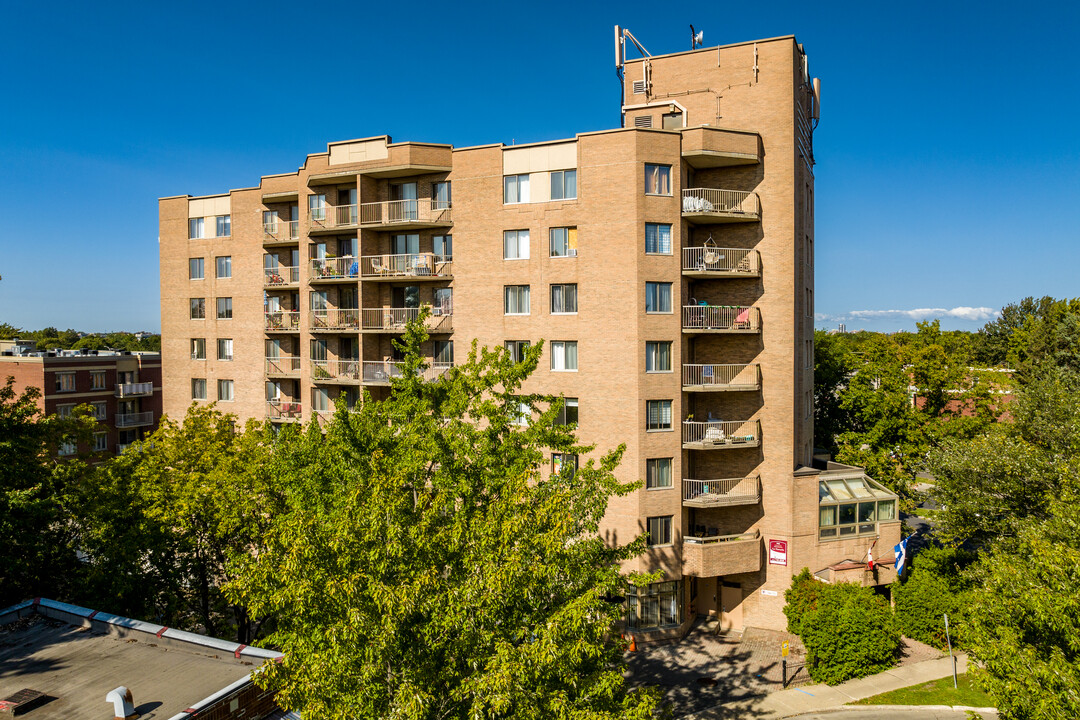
pixel 223 225
pixel 520 186
pixel 569 402
pixel 196 385
pixel 658 288
pixel 652 354
pixel 569 249
pixel 94 376
pixel 225 344
pixel 664 530
pixel 65 378
pixel 199 303
pixel 101 441
pixel 558 177
pixel 561 354
pixel 227 310
pixel 661 413
pixel 196 228
pixel 652 473
pixel 198 348
pixel 513 244
pixel 226 390
pixel 223 262
pixel 196 268
pixel 659 239
pixel 522 290
pixel 562 290
pixel 658 170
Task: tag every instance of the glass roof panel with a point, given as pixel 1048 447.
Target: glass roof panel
pixel 839 489
pixel 851 488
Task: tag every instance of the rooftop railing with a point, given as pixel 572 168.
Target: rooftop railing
pixel 721 318
pixel 408 265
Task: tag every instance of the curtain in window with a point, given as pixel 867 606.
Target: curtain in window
pixel 563 298
pixel 658 238
pixel 517 299
pixel 659 414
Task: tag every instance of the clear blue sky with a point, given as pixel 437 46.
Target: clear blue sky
pixel 948 152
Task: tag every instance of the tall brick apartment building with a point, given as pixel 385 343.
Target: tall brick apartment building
pixel 668 264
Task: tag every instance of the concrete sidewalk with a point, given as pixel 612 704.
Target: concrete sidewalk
pixel 815 698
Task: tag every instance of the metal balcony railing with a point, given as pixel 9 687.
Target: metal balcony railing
pixel 335 319
pixel 410 265
pixel 710 434
pixel 720 202
pixel 334 268
pixel 391 212
pixel 140 389
pixel 281 277
pixel 282 321
pixel 282 365
pixel 126 420
pixel 282 230
pixel 395 319
pixel 335 370
pixel 721 377
pixel 722 261
pixel 716 493
pixel 379 372
pixel 713 539
pixel 721 318
pixel 283 409
pixel 329 217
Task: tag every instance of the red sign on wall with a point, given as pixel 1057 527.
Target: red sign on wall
pixel 778 552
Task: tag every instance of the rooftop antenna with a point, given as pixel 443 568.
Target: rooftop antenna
pixel 696 38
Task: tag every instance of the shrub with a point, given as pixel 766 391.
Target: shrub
pixel 801 597
pixel 849 633
pixel 937 585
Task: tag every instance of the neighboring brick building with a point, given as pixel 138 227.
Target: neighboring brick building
pixel 668 265
pixel 124 389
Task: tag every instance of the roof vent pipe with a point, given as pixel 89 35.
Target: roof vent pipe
pixel 123 705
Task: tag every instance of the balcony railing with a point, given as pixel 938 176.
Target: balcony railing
pixel 722 262
pixel 140 389
pixel 332 217
pixel 334 268
pixel 720 434
pixel 335 370
pixel 713 555
pixel 395 319
pixel 381 372
pixel 285 410
pixel 282 365
pixel 282 321
pixel 415 265
pixel 721 318
pixel 335 319
pixel 719 493
pixel 126 420
pixel 425 211
pixel 712 205
pixel 281 277
pixel 281 231
pixel 706 378
pixel 121 447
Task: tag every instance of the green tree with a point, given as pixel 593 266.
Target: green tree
pixel 849 633
pixel 422 568
pixel 832 363
pixel 800 599
pixel 936 586
pixel 8 331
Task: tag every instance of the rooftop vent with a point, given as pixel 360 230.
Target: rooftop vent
pixel 22 702
pixel 639 87
pixel 643 121
pixel 123 704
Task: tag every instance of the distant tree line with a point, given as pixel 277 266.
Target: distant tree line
pixel 50 338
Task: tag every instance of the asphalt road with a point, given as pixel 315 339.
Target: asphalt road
pixel 870 713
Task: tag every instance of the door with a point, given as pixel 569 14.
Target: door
pixel 405 206
pixel 706 602
pixel 730 606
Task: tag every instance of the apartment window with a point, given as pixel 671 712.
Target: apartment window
pixel 198 348
pixel 270 221
pixel 564 185
pixel 516 245
pixel 224 308
pixel 224 349
pixel 65 382
pixel 656 605
pixel 658 473
pixel 657 239
pixel 68 447
pixel 659 531
pixel 564 355
pixel 809 310
pixel 225 390
pixel 320 400
pixel 440 195
pixel 443 352
pixel 101 441
pixel 516 300
pixel 196 270
pixel 443 245
pixel 64 411
pixel 563 299
pixel 224 225
pixel 520 412
pixel 657 297
pixel 195 228
pixel 568 413
pixel 658 357
pixel 198 308
pixel 515 189
pixel 516 349
pixel 198 388
pixel 224 266
pixel 563 241
pixel 97 380
pixel 317 207
pixel 563 461
pixel 658 415
pixel 657 179
pixel 100 409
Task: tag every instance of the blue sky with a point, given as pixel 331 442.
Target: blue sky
pixel 948 177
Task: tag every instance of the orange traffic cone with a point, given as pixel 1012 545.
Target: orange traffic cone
pixel 633 644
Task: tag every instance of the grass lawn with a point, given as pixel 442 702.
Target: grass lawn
pixel 938 692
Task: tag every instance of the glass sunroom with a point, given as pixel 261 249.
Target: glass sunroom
pixel 850 506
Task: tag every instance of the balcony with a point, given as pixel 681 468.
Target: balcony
pixel 284 277
pixel 721 378
pixel 335 371
pixel 705 147
pixel 393 320
pixel 282 366
pixel 331 218
pixel 283 410
pixel 734 319
pixel 129 420
pixel 382 372
pixel 709 206
pixel 416 266
pixel 282 321
pixel 334 269
pixel 720 434
pixel 722 493
pixel 406 214
pixel 715 555
pixel 282 232
pixel 713 262
pixel 130 390
pixel 121 447
pixel 335 320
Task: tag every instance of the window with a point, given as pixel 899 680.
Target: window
pixel 195 269
pixel 198 388
pixel 224 266
pixel 443 245
pixel 564 355
pixel 224 225
pixel 658 415
pixel 195 228
pixel 317 208
pixel 516 349
pixel 224 349
pixel 198 308
pixel 657 179
pixel 65 382
pixel 659 531
pixel 516 300
pixel 224 308
pixel 101 441
pixel 657 357
pixel 64 411
pixel 443 352
pixel 440 195
pixel 563 299
pixel 656 605
pixel 852 506
pixel 515 189
pixel 568 413
pixel 564 185
pixel 563 461
pixel 516 245
pixel 657 297
pixel 100 409
pixel 658 473
pixel 225 390
pixel 563 242
pixel 320 400
pixel 520 412
pixel 408 244
pixel 97 380
pixel 198 348
pixel 657 239
pixel 68 447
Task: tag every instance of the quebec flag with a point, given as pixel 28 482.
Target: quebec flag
pixel 901 555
